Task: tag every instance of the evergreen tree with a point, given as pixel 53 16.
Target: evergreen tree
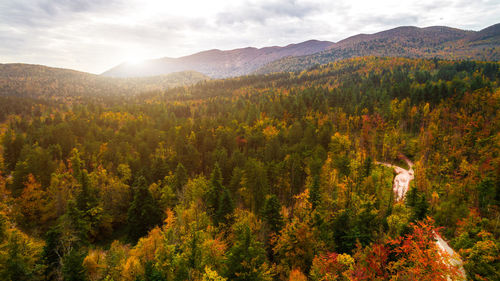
pixel 86 199
pixel 417 201
pixel 143 213
pixel 226 208
pixel 73 266
pixel 213 194
pixel 367 166
pixel 13 145
pixel 315 193
pixel 15 266
pixel 79 223
pixel 218 199
pixel 486 194
pixel 151 273
pixel 181 177
pixel 50 254
pixel 272 214
pixel 247 258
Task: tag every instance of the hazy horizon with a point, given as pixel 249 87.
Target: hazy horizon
pixel 95 35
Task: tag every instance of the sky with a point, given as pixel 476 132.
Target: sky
pixel 95 35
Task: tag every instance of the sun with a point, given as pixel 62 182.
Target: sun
pixel 134 58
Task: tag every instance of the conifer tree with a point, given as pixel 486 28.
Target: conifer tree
pixel 247 258
pixel 181 177
pixel 314 193
pixel 143 213
pixel 272 214
pixel 226 208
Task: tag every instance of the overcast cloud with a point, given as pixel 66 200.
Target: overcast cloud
pixel 95 35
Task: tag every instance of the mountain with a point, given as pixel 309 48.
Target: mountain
pixel 217 63
pixel 490 34
pixel 407 41
pixel 38 80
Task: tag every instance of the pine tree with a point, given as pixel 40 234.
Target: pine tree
pixel 73 269
pixel 181 177
pixel 247 258
pixel 226 208
pixel 417 201
pixel 50 255
pixel 143 213
pixel 218 199
pixel 314 193
pixel 86 198
pixel 272 214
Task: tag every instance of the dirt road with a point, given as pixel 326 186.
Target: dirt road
pixel 400 186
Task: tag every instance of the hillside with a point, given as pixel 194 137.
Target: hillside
pixel 217 63
pixel 406 41
pixel 42 81
pixel 263 177
pixel 437 41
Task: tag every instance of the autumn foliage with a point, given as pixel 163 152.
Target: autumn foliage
pixel 262 177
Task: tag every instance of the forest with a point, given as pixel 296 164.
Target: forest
pixel 260 177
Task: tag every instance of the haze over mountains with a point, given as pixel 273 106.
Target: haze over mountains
pixel 217 63
pixel 35 81
pixel 407 41
pixel 159 74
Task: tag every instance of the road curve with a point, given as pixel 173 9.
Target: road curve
pixel 400 186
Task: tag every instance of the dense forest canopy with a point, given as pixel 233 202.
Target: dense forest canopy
pixel 265 177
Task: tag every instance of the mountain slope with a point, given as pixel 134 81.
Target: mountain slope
pixel 408 41
pixel 42 81
pixel 217 63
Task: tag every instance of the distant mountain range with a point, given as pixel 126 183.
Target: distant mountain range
pixel 217 63
pixel 156 75
pixel 41 81
pixel 407 41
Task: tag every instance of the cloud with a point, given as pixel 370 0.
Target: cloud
pixel 43 13
pixel 260 12
pixel 94 35
pixel 379 22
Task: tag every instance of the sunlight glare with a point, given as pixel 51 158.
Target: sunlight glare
pixel 135 58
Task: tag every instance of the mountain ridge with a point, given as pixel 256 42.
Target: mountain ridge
pixel 412 42
pixel 406 41
pixel 218 63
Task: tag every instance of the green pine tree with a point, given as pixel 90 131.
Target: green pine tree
pixel 225 209
pixel 73 266
pixel 272 214
pixel 314 193
pixel 247 258
pixel 181 177
pixel 143 213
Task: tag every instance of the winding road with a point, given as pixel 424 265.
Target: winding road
pixel 400 186
pixel 402 179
